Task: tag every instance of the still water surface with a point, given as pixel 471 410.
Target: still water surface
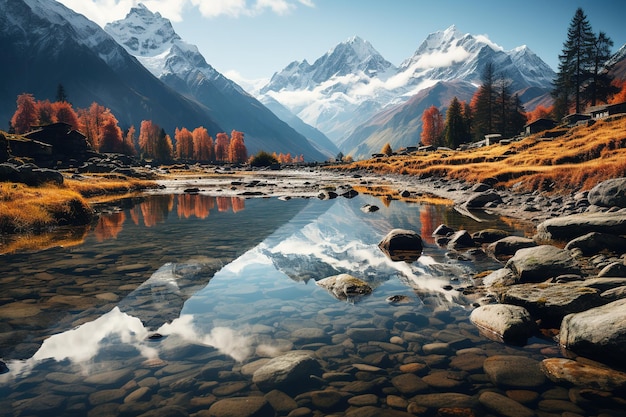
pixel 175 300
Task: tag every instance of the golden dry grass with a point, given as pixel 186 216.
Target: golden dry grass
pixel 583 157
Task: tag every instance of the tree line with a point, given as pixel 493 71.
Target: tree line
pixel 583 79
pixel 102 131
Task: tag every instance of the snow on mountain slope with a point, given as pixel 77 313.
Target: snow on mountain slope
pixel 337 93
pixel 153 41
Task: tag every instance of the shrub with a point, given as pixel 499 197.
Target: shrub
pixel 263 159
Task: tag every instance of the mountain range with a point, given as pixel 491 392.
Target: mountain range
pixel 350 99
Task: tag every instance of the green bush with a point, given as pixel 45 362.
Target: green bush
pixel 263 159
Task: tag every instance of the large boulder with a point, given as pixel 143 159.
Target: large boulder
pixel 482 199
pixel 539 263
pixel 504 322
pixel 345 287
pixel 290 372
pixel 598 333
pixel 594 242
pixel 514 371
pixel 609 193
pixel 569 227
pixel 402 245
pixel 509 245
pixel 579 374
pixel 550 302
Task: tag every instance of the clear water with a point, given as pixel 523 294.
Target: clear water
pixel 175 300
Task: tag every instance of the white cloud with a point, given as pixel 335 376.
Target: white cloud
pixel 105 11
pixel 440 59
pixel 485 39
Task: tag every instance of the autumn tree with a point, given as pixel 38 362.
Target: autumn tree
pixel 540 112
pixel 432 127
pixel 203 147
pixel 154 143
pixel 237 151
pixel 25 115
pixel 111 137
pixel 129 141
pixel 66 114
pixel 455 131
pixel 222 143
pixel 91 122
pixel 620 95
pixel 386 149
pixel 45 112
pixel 184 144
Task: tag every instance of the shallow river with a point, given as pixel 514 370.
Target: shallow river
pixel 170 304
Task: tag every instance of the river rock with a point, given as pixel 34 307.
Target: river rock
pixel 241 407
pixel 508 323
pixel 598 333
pixel 443 230
pixel 371 411
pixel 561 370
pixel 281 402
pixel 489 235
pixel 345 287
pixel 551 302
pixel 482 199
pixel 569 227
pixel 609 193
pixel 539 263
pixel 504 406
pixel 288 372
pixel 514 371
pixel 594 242
pixel 502 277
pixel 461 239
pixel 509 245
pixel 446 399
pixel 614 269
pixel 402 245
pixel 409 384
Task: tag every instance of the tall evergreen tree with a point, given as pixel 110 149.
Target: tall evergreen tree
pixel 574 63
pixel 483 104
pixel 455 131
pixel 600 86
pixel 61 95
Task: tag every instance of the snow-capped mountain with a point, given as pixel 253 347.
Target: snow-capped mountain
pixel 617 63
pixel 48 44
pixel 337 94
pixel 152 40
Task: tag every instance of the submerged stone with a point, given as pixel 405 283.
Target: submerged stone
pixel 345 287
pixel 402 245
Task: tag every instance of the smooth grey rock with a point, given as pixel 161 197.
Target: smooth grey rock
pixel 345 287
pixel 550 302
pixel 509 245
pixel 598 333
pixel 500 278
pixel 461 239
pixel 508 323
pixel 241 407
pixel 489 235
pixel 569 227
pixel 482 199
pixel 402 245
pixel 288 372
pixel 443 230
pixel 594 242
pixel 514 371
pixel 614 269
pixel 504 406
pixel 539 263
pixel 609 193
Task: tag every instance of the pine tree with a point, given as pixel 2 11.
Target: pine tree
pixel 575 64
pixel 61 95
pixel 455 132
pixel 483 105
pixel 600 87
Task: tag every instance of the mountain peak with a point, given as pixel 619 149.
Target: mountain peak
pixel 143 32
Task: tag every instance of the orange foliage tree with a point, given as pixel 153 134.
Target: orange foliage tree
pixel 154 142
pixel 91 122
pixel 45 112
pixel 237 151
pixel 25 115
pixel 620 96
pixel 129 141
pixel 222 143
pixel 184 143
pixel 203 147
pixel 66 114
pixel 432 126
pixel 540 112
pixel 111 136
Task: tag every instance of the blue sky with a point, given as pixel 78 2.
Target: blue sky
pixel 255 38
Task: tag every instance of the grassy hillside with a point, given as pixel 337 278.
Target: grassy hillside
pixel 579 159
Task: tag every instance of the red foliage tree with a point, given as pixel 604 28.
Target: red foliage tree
pixel 148 137
pixel 237 151
pixel 25 115
pixel 129 141
pixel 432 126
pixel 222 143
pixel 45 112
pixel 540 112
pixel 66 114
pixel 91 122
pixel 620 96
pixel 184 144
pixel 203 147
pixel 110 139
